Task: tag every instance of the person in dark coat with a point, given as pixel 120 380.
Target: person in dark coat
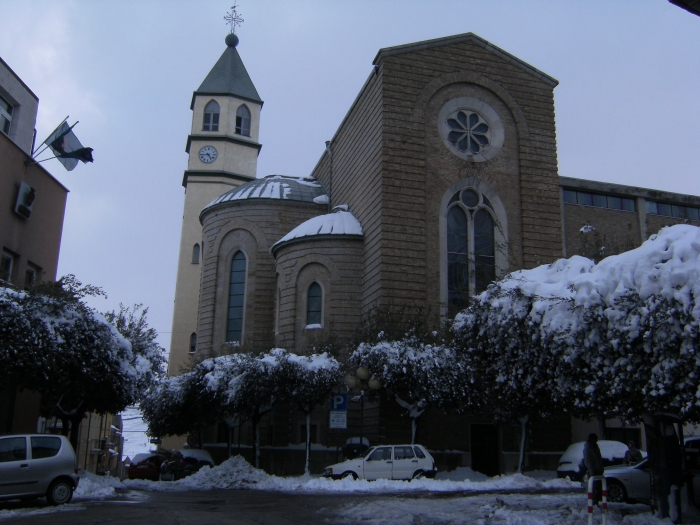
pixel 593 461
pixel 633 455
pixel 592 458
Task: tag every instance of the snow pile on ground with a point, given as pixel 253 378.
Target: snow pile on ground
pixel 461 474
pixel 92 486
pixel 237 473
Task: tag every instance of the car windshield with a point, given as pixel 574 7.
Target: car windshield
pixel 369 451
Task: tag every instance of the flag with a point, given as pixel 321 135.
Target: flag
pixel 67 148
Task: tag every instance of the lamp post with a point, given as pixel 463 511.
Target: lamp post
pixel 362 380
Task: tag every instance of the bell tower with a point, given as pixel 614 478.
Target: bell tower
pixel 223 152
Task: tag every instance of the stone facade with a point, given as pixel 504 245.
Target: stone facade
pixel 336 264
pixel 395 164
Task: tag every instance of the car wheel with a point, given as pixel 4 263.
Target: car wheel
pixel 616 492
pixel 60 492
pixel 348 475
pixel 418 474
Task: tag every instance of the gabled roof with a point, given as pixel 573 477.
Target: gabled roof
pixel 458 39
pixel 229 77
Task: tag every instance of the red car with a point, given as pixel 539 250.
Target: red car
pixel 145 466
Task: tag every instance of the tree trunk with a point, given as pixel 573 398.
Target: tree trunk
pixel 229 440
pixel 601 427
pixel 255 421
pixel 75 430
pixel 414 429
pixel 308 442
pixel 524 425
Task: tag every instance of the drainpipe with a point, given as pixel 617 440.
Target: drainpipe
pixel 330 176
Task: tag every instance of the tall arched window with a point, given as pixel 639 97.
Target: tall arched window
pixel 471 247
pixel 195 254
pixel 236 298
pixel 193 342
pixel 457 259
pixel 211 116
pixel 314 305
pixel 243 121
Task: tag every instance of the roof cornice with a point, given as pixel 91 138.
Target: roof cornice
pixel 458 39
pixel 214 173
pixel 222 138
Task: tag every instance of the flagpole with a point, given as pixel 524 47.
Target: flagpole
pixel 27 162
pixel 62 135
pixel 47 138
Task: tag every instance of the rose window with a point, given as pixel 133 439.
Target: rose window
pixel 469 132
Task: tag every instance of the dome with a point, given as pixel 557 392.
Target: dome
pixel 340 222
pixel 275 187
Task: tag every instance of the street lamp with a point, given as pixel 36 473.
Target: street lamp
pixel 362 380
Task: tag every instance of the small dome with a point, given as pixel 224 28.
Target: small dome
pixel 276 187
pixel 231 40
pixel 339 222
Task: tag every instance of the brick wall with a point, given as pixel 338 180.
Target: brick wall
pixel 336 264
pixel 252 226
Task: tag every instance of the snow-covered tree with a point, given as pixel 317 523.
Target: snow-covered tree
pixel 247 385
pixel 418 374
pixel 308 382
pixel 500 339
pixel 51 342
pixel 619 337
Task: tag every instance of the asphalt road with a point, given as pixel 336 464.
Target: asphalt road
pixel 220 507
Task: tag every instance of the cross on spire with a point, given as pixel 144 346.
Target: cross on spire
pixel 233 18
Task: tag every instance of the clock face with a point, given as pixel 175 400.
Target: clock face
pixel 208 154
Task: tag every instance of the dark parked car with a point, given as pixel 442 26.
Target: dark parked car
pixel 185 462
pixel 145 466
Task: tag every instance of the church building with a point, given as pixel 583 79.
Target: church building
pixel 441 177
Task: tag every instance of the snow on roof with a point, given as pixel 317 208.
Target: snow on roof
pixel 340 221
pixel 280 187
pixel 666 265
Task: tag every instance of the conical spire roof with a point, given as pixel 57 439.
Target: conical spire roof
pixel 229 76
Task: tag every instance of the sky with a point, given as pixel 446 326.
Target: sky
pixel 626 107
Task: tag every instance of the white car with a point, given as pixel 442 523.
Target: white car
pixel 386 462
pixel 37 465
pixel 570 464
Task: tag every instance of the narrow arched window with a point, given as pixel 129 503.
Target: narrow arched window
pixel 236 298
pixel 457 260
pixel 211 116
pixel 314 305
pixel 195 254
pixel 473 236
pixel 243 121
pixel 193 342
pixel 484 250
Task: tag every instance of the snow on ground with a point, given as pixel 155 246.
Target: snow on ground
pixel 94 487
pixel 469 503
pixel 237 473
pixel 6 514
pixel 514 509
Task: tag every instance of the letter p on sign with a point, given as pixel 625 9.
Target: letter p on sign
pixel 339 402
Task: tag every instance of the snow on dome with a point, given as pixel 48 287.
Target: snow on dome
pixel 281 187
pixel 339 222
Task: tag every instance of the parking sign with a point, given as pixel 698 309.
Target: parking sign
pixel 339 402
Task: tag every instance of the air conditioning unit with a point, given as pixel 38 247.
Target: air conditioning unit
pixel 25 200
